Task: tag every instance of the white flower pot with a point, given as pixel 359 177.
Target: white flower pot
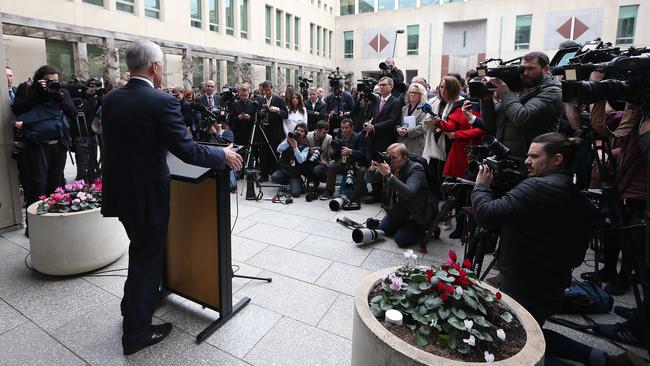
pixel 373 344
pixel 71 243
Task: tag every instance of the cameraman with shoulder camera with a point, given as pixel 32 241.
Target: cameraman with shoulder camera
pixel 408 201
pixel 46 141
pixel 546 226
pixel 338 104
pixel 316 109
pixel 293 153
pixel 348 153
pixel 387 68
pixel 520 116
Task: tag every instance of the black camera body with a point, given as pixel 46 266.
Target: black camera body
pixel 366 86
pixel 335 78
pixel 508 72
pixel 507 172
pixel 382 157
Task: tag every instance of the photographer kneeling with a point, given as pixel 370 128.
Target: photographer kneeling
pixel 545 227
pixel 347 154
pixel 293 153
pixel 408 201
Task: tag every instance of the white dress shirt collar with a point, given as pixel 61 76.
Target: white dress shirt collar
pixel 143 79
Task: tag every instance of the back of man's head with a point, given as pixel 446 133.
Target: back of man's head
pixel 141 54
pixel 540 57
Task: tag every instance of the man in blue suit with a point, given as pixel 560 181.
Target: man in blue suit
pixel 140 125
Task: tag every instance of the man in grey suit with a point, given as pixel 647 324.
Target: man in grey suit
pixel 140 125
pixel 210 99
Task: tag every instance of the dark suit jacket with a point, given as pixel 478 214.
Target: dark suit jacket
pixel 275 129
pixel 203 99
pixel 385 122
pixel 140 125
pixel 242 128
pixel 315 107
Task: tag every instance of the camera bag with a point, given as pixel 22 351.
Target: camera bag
pixel 586 298
pixel 46 121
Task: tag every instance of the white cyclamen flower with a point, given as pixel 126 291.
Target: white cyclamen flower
pixel 468 324
pixel 409 254
pixel 488 357
pixel 459 291
pixel 471 340
pixel 501 334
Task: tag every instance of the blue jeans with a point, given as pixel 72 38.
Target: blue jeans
pixel 295 183
pixel 319 171
pixel 405 231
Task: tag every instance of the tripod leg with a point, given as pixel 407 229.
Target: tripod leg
pixel 267 279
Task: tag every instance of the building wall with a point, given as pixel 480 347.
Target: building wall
pixel 500 15
pixel 24 56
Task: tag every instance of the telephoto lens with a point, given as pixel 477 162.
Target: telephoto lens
pixel 364 236
pixel 339 202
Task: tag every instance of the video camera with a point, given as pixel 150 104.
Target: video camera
pixel 627 75
pixel 366 86
pixel 509 71
pixel 304 86
pixel 79 89
pixel 335 78
pixel 507 172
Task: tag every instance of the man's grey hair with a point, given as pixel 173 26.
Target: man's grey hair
pixel 141 54
pixel 388 80
pixel 313 89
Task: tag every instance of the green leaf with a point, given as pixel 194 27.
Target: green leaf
pixel 376 299
pixel 507 317
pixel 413 327
pixel 469 300
pixel 481 321
pixel 453 271
pixel 443 275
pixel 443 314
pixel 481 308
pixel 432 302
pixel 453 342
pixel 456 323
pixel 458 313
pixel 75 207
pixel 376 311
pixel 405 303
pixel 419 340
pixel 463 348
pixel 417 278
pixel 414 289
pixel 424 286
pixel 424 330
pixel 385 305
pixel 481 335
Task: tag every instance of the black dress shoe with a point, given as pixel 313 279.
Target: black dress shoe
pixel 371 200
pixel 158 333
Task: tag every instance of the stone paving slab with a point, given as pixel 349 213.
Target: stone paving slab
pixel 291 343
pixel 30 345
pixel 343 277
pixel 338 319
pixel 336 250
pixel 243 248
pixel 290 263
pixel 10 318
pixel 275 235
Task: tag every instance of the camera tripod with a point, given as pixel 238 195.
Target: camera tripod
pixel 253 154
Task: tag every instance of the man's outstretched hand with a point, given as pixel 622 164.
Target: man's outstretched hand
pixel 233 160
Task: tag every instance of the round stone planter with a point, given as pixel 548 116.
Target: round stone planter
pixel 71 243
pixel 373 344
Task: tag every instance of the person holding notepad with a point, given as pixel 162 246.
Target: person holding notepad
pixel 413 129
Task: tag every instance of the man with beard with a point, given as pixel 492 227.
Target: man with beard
pixel 518 117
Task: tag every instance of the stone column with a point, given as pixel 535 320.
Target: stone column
pixel 186 65
pixel 111 64
pixel 80 57
pixel 274 73
pixel 212 69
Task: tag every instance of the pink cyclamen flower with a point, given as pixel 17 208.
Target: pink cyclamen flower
pixel 396 283
pixel 60 190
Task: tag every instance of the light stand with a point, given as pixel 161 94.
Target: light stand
pixel 399 31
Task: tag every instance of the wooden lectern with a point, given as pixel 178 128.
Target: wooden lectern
pixel 198 256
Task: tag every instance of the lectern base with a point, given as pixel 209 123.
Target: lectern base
pixel 223 318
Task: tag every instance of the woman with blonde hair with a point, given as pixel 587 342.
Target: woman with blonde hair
pixel 413 129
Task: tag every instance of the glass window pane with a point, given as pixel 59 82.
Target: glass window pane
pixel 197 71
pixel 296 33
pixel 329 47
pixel 243 18
pixel 195 13
pixel 268 25
pixel 230 73
pixel 626 24
pixel 278 28
pixel 152 8
pixel 407 4
pixel 94 2
pixel 522 32
pixel 230 18
pixel 268 73
pixel 347 7
pixel 386 5
pixel 287 35
pixel 318 40
pixel 413 39
pixel 311 38
pixel 59 54
pixel 95 60
pixel 366 6
pixel 348 44
pixel 213 15
pixel 125 5
pixel 429 2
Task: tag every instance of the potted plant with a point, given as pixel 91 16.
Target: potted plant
pixel 68 234
pixel 442 315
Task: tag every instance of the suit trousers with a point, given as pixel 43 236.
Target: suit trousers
pixel 142 286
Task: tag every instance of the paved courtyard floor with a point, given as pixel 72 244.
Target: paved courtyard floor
pixel 303 317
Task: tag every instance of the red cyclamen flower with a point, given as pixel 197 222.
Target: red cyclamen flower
pixel 498 295
pixel 429 275
pixel 467 263
pixel 453 256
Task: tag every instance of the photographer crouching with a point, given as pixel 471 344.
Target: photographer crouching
pixel 545 226
pixel 408 201
pixel 348 152
pixel 293 153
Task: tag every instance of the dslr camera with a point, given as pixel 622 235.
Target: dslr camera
pixel 507 172
pixel 381 157
pixel 509 71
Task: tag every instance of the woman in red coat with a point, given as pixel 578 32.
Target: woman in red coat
pixel 456 125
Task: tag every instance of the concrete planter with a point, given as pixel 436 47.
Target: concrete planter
pixel 372 344
pixel 71 243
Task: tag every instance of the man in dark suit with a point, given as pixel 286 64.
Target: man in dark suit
pixel 140 124
pixel 316 109
pixel 339 105
pixel 242 116
pixel 275 110
pixel 380 131
pixel 12 90
pixel 210 99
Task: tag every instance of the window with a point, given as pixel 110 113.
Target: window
pixel 287 76
pixel 413 39
pixel 287 35
pixel 95 60
pixel 213 15
pixel 366 6
pixel 230 73
pixel 243 18
pixel 125 5
pixel 626 24
pixel 429 2
pixel 348 44
pixel 230 18
pixel 121 55
pixel 152 8
pixel 329 47
pixel 311 38
pixel 324 42
pixel 347 7
pixel 278 28
pixel 522 32
pixel 94 2
pixel 318 32
pixel 268 73
pixel 296 32
pixel 197 71
pixel 386 5
pixel 407 4
pixel 267 25
pixel 59 54
pixel 195 13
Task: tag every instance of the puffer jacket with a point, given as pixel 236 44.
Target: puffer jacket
pixel 545 226
pixel 517 119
